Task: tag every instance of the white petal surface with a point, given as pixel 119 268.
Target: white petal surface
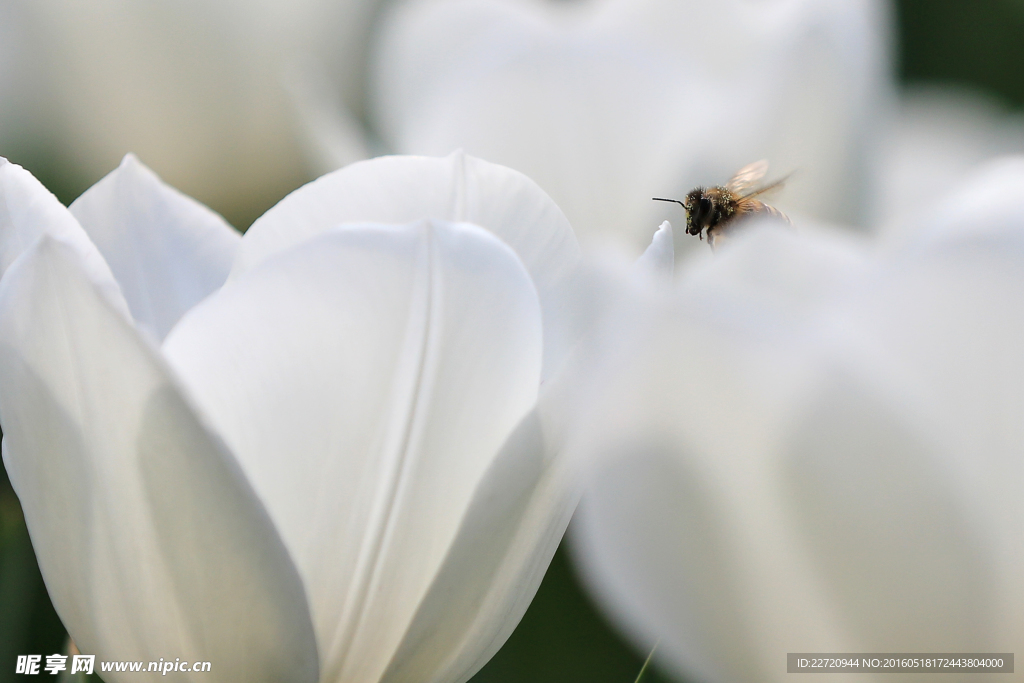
pixel 949 306
pixel 150 540
pixel 987 209
pixel 592 120
pixel 658 260
pixel 508 535
pixel 28 210
pixel 454 188
pixel 166 250
pixel 606 104
pixel 940 135
pixel 782 460
pixel 367 379
pixel 195 89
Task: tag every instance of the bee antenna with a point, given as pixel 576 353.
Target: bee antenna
pixel 677 201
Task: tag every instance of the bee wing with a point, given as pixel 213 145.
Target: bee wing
pixel 754 207
pixel 747 176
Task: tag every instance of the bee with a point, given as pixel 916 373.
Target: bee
pixel 717 208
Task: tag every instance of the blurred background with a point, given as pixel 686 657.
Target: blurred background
pixel 235 139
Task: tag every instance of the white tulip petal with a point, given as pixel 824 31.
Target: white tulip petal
pixel 679 423
pixel 772 282
pixel 658 260
pixel 166 250
pixel 194 89
pixel 606 104
pixel 150 540
pixel 957 326
pixel 28 210
pixel 856 539
pixel 989 207
pixel 898 544
pixel 949 306
pixel 593 119
pixel 951 314
pixel 679 594
pixel 508 535
pixel 784 464
pixel 939 134
pixel 399 189
pixel 818 527
pixel 367 379
pixel 454 188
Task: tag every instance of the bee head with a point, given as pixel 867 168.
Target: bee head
pixel 700 209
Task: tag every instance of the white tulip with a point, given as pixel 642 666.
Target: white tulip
pixel 197 89
pixel 333 466
pixel 938 137
pixel 606 104
pixel 809 447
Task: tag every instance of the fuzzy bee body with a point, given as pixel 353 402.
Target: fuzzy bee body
pixel 715 210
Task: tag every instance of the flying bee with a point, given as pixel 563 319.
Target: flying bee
pixel 717 208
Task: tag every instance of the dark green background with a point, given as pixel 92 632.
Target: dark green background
pixel 563 637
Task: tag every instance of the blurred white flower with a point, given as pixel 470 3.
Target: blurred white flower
pixel 937 138
pixel 197 89
pixel 606 104
pixel 812 448
pixel 334 462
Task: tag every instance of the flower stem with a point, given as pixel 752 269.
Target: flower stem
pixel 646 663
